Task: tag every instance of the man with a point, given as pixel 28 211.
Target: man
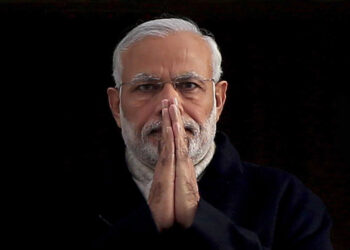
pixel 185 186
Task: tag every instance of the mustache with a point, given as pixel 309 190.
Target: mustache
pixel 156 126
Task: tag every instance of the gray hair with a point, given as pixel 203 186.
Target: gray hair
pixel 161 28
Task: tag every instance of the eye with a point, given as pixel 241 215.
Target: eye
pixel 148 87
pixel 187 86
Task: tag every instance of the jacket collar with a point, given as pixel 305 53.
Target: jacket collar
pixel 226 161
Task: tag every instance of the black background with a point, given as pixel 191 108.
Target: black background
pixel 287 64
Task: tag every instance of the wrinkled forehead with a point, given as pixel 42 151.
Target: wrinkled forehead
pixel 187 36
pixel 176 54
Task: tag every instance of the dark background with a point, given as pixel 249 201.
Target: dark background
pixel 287 64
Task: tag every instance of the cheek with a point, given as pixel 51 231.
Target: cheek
pixel 199 112
pixel 138 115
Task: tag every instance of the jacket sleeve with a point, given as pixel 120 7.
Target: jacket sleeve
pixel 134 230
pixel 215 230
pixel 302 222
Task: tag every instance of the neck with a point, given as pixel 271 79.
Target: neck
pixel 143 174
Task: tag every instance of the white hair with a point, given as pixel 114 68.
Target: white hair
pixel 161 28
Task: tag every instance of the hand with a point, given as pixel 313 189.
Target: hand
pixel 174 193
pixel 161 197
pixel 186 188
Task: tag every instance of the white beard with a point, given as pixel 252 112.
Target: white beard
pixel 146 152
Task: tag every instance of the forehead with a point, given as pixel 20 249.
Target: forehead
pixel 175 54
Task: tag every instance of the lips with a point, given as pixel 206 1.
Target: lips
pixel 155 131
pixel 155 128
pixel 189 130
pixel 158 130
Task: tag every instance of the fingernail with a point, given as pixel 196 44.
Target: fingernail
pixel 175 101
pixel 165 103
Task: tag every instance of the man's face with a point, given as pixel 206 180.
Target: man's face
pixel 168 58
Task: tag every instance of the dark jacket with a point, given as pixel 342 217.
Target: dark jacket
pixel 242 206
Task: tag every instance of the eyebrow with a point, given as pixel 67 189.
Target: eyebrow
pixel 145 77
pixel 186 75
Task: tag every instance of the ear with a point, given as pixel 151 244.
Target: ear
pixel 220 97
pixel 114 101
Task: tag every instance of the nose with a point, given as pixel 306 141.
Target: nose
pixel 169 92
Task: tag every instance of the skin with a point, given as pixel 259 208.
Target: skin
pixel 174 194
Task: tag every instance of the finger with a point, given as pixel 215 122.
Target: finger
pixel 181 141
pixel 168 135
pixel 186 188
pixel 175 114
pixel 167 155
pixel 165 118
pixel 166 160
pixel 164 174
pixel 164 170
pixel 161 197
